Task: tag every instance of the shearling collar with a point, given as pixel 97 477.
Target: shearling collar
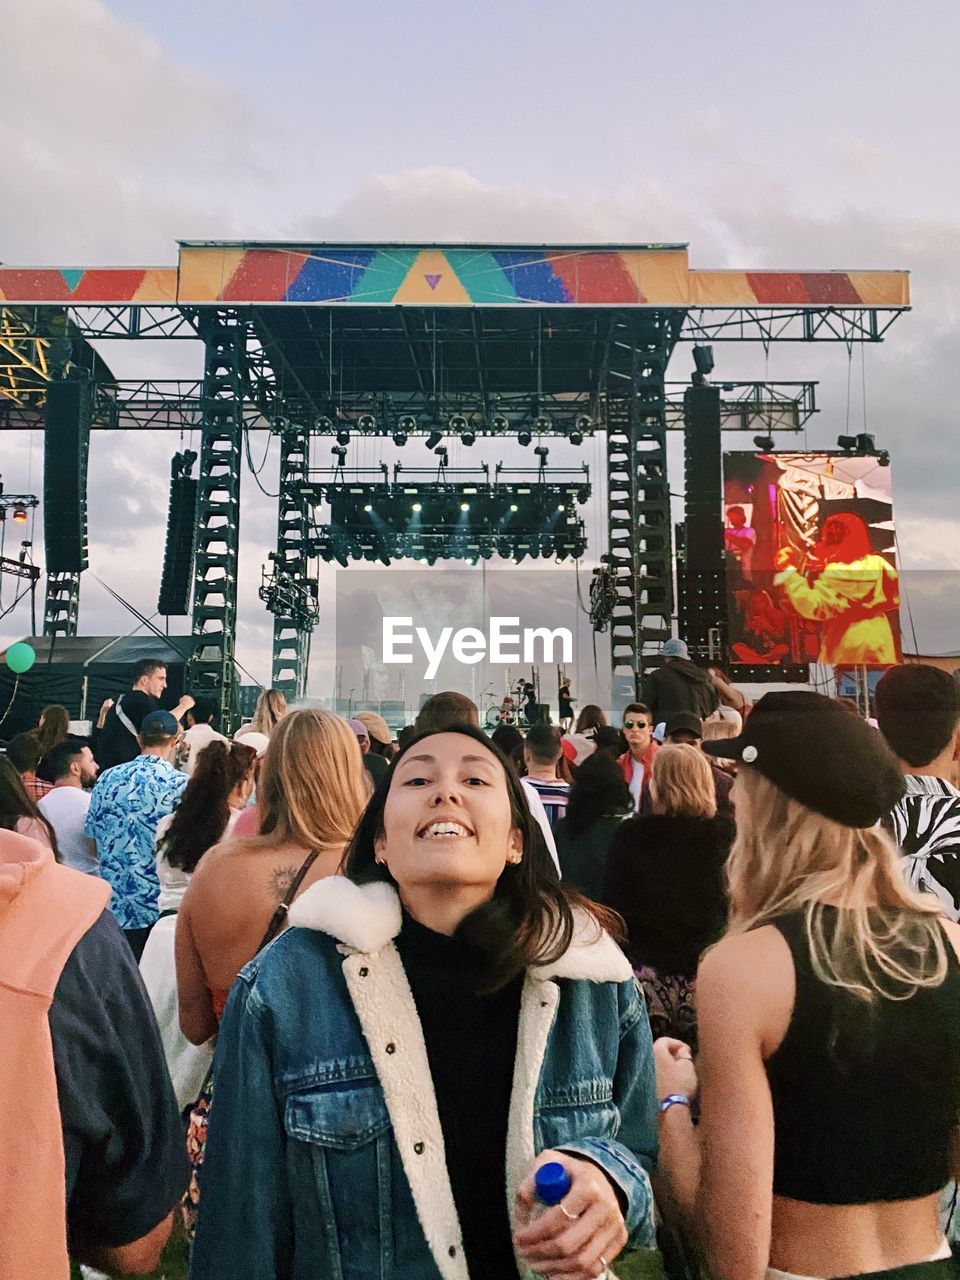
pixel 366 917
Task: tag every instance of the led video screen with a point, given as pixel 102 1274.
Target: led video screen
pixel 810 556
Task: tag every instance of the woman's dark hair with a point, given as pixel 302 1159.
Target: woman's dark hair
pixel 529 920
pixel 16 803
pixel 591 717
pixel 54 727
pixel 598 791
pixel 201 817
pixel 507 737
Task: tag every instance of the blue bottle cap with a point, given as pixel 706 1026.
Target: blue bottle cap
pixel 552 1182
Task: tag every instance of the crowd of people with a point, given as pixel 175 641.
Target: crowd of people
pixel 326 1004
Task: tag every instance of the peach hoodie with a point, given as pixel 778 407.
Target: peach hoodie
pixel 45 910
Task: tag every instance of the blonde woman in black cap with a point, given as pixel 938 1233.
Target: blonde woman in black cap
pixel 829 1020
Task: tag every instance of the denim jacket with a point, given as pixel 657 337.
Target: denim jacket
pixel 325 1158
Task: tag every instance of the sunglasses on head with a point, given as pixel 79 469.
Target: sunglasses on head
pixel 636 724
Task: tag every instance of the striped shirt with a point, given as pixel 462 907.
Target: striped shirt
pixel 554 794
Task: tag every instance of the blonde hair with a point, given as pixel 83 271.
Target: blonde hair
pixel 717 731
pixel 270 710
pixel 788 858
pixel 313 785
pixel 683 782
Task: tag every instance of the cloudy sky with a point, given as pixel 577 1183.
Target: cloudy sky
pixel 814 136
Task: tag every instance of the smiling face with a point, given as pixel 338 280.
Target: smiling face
pixel 447 819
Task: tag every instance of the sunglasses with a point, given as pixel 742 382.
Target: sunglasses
pixel 635 724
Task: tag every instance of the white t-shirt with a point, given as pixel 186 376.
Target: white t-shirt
pixel 540 814
pixel 65 808
pixel 636 784
pixel 194 740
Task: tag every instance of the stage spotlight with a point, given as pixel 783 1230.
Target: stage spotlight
pixel 433 439
pixel 500 423
pixel 464 506
pixel 19 515
pixel 848 443
pixel 764 443
pixel 576 437
pixel 542 453
pixel 561 507
pixel 543 425
pixel 323 425
pixel 341 454
pixel 703 360
pixel 867 444
pixel 469 437
pixel 524 437
pixel 343 437
pixel 457 423
pixel 416 507
pixel 368 508
pixel 514 507
pixel 407 423
pixel 883 458
pixel 366 422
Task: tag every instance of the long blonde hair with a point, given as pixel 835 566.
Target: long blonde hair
pixel 270 709
pixel 887 940
pixel 682 782
pixel 313 785
pixel 717 731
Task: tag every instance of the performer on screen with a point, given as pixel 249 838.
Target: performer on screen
pixel 846 587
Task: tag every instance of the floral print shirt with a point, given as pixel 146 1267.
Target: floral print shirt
pixel 126 806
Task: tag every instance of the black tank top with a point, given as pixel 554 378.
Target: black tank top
pixel 865 1097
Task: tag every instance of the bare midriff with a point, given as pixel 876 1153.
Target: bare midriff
pixel 844 1239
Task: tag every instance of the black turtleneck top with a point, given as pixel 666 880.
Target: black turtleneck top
pixel 471 1042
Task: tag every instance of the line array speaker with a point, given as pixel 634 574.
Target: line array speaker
pixel 180 548
pixel 65 444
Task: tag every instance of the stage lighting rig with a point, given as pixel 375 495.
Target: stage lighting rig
pixel 340 453
pixel 366 422
pixel 543 453
pixel 542 425
pixel 766 444
pixel 468 437
pixel 500 423
pixel 433 439
pixel 457 424
pixel 343 437
pixel 19 515
pixel 323 426
pixel 400 438
pixel 524 437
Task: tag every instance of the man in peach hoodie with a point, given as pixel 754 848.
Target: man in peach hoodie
pixel 92 1159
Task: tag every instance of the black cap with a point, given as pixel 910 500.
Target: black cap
pixel 820 755
pixel 684 722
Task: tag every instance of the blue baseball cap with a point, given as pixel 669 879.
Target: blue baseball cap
pixel 160 722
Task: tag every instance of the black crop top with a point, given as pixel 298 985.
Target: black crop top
pixel 865 1097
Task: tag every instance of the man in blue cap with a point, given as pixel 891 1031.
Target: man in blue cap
pixel 126 806
pixel 678 686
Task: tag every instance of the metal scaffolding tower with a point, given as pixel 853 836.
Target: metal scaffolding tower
pixel 212 670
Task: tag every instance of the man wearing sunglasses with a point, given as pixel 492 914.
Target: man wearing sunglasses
pixel 637 760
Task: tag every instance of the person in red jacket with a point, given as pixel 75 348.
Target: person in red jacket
pixel 637 761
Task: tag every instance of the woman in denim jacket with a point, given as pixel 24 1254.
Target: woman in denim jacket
pixel 391 1072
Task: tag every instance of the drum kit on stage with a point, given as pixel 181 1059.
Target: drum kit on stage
pixel 509 710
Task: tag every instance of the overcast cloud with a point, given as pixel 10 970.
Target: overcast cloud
pixel 820 141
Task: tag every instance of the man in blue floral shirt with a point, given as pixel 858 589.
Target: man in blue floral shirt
pixel 125 809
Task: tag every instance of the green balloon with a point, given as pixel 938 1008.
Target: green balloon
pixel 20 657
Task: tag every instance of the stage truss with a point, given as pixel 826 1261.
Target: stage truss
pixel 406 341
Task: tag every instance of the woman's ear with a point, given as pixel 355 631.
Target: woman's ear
pixel 515 846
pixel 379 848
